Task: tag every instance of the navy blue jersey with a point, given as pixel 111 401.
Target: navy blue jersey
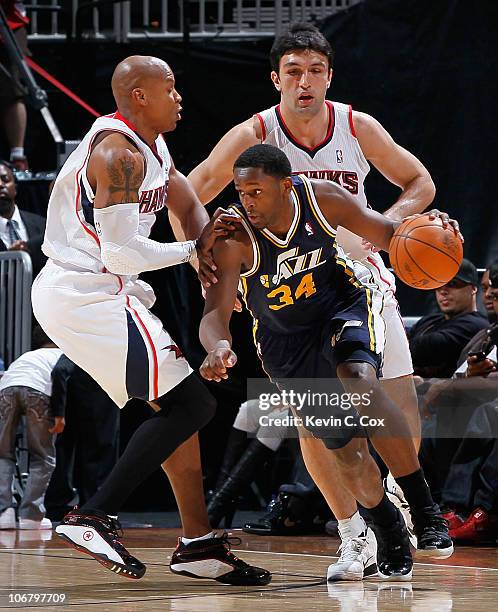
pixel 299 282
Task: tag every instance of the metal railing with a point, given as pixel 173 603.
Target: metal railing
pixel 125 20
pixel 15 305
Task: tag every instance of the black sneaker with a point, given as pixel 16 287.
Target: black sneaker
pixel 394 559
pixel 433 539
pixel 287 514
pixel 98 536
pixel 212 558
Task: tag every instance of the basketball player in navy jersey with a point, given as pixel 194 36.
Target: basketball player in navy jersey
pixel 314 318
pixel 88 298
pixel 329 140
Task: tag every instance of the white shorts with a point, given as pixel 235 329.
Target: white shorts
pixel 102 323
pixel 397 360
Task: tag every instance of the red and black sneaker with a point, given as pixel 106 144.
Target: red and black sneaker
pixel 211 558
pixel 480 527
pixel 453 519
pixel 99 537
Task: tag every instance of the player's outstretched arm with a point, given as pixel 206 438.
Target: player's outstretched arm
pixel 339 207
pixel 212 175
pixel 185 205
pixel 398 165
pixel 116 172
pixel 214 331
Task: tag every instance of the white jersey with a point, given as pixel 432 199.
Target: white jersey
pixel 337 158
pixel 101 320
pixel 70 236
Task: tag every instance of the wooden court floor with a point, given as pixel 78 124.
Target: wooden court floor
pixel 468 581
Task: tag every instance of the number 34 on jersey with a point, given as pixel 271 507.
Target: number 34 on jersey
pixel 289 265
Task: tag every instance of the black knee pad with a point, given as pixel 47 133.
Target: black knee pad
pixel 189 401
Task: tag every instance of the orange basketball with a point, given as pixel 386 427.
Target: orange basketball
pixel 423 254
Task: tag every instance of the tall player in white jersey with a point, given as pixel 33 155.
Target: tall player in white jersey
pixel 90 302
pixel 328 140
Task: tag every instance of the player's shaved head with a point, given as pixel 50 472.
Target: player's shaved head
pixel 135 72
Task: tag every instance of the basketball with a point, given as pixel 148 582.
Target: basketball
pixel 425 255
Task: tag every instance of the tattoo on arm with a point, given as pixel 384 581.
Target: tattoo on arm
pixel 125 176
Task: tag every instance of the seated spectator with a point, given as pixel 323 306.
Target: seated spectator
pixel 19 230
pixel 25 389
pixel 437 340
pixel 470 492
pixel 242 458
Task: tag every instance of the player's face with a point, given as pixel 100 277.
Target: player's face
pixel 163 103
pixel 303 79
pixel 487 297
pixel 455 297
pixel 263 197
pixel 7 189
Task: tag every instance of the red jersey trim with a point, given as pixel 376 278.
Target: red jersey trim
pixel 78 194
pixel 372 261
pixel 117 115
pixel 351 124
pixel 312 151
pixel 153 350
pixel 263 127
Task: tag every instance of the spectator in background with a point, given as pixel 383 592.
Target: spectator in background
pixel 437 340
pixel 12 91
pixel 25 389
pixel 470 492
pixel 89 447
pixel 19 230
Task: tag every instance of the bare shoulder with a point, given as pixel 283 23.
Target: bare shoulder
pixel 365 125
pixel 326 189
pixel 116 168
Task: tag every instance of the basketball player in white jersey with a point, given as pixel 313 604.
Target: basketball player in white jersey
pixel 89 300
pixel 327 140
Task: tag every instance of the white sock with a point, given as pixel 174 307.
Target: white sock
pixel 352 527
pixel 204 537
pixel 16 153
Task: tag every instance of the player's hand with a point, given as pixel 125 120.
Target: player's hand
pixel 19 245
pixel 480 368
pixel 60 423
pixel 445 220
pixel 222 223
pixel 214 367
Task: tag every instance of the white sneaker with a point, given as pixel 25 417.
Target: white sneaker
pixel 8 519
pixel 358 558
pixel 396 495
pixel 45 523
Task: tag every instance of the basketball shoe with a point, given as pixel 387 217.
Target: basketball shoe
pixel 212 558
pixel 358 558
pixel 397 497
pixel 99 536
pixel 480 527
pixel 394 559
pixel 428 531
pixel 432 534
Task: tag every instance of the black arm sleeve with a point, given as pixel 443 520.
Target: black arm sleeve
pixel 60 377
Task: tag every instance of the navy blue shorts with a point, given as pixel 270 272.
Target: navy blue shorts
pixel 315 354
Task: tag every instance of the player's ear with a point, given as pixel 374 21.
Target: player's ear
pixel 276 81
pixel 331 72
pixel 286 183
pixel 139 95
